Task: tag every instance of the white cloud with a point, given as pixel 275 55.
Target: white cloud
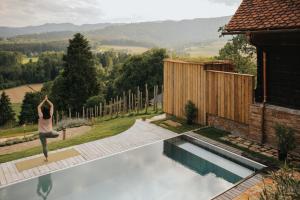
pixel 20 12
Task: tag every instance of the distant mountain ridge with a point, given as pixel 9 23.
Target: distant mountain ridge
pixel 49 27
pixel 157 33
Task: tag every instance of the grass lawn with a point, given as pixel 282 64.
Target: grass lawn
pixel 26 60
pixel 101 129
pixel 180 129
pixel 17 109
pixel 17 131
pixel 216 134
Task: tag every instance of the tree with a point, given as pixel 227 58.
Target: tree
pixel 29 107
pixel 241 53
pixel 6 112
pixel 78 81
pixel 141 69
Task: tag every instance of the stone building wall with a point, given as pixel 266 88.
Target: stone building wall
pixel 273 115
pixel 228 125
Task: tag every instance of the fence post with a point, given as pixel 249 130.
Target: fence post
pixel 100 110
pixel 70 115
pixel 110 108
pixel 141 101
pixel 138 99
pixel 154 98
pixel 83 115
pixel 132 102
pixel 124 103
pixel 162 97
pixel 57 116
pixel 129 97
pixel 146 98
pixel 117 106
pixel 157 97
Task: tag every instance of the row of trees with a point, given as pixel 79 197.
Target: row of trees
pixel 14 73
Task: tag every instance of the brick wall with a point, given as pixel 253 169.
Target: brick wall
pixel 228 125
pixel 253 131
pixel 273 115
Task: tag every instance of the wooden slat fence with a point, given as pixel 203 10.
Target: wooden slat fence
pixel 224 94
pixel 182 82
pixel 229 95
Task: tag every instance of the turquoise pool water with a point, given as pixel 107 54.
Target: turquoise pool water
pixel 164 170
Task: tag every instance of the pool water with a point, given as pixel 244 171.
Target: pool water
pixel 163 170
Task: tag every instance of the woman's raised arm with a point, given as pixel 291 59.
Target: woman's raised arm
pixel 51 106
pixel 39 108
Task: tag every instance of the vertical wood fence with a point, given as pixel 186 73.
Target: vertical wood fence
pixel 184 81
pixel 224 94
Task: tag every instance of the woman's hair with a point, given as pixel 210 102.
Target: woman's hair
pixel 46 112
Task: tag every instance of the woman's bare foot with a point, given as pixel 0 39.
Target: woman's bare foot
pixel 46 159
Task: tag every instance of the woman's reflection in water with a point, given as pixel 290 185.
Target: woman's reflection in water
pixel 44 186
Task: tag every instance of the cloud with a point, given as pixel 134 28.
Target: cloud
pixel 227 2
pixel 20 12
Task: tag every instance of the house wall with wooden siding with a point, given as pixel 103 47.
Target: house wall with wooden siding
pixel 223 94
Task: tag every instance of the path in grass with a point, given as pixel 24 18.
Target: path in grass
pixel 17 131
pixel 71 133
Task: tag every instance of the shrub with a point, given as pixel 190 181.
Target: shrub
pixel 190 112
pixel 285 141
pixel 71 123
pixel 94 101
pixel 285 186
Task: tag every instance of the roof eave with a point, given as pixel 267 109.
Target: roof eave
pixel 235 32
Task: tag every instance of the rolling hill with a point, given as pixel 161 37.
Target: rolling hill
pixel 158 33
pixel 49 27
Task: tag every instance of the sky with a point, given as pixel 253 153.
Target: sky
pixel 18 13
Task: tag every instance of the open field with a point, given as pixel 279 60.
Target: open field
pixel 17 109
pixel 128 49
pixel 17 94
pixel 26 60
pixel 205 50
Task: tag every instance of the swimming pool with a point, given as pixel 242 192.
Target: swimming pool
pixel 178 168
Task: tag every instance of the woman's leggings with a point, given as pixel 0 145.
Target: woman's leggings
pixel 43 138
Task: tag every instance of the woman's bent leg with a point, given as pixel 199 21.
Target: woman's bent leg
pixel 53 134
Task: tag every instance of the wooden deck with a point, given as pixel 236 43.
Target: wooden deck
pixel 141 133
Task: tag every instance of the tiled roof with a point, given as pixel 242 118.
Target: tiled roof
pixel 253 15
